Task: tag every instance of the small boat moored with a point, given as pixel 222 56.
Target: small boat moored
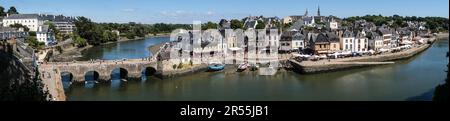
pixel 242 67
pixel 216 67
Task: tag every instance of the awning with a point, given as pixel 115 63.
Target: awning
pixel 235 48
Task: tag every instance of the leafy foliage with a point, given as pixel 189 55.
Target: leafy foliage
pixel 17 26
pixel 29 90
pixel 236 24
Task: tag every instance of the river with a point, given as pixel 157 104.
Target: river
pixel 410 79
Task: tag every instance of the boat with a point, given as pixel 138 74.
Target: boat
pixel 254 67
pixel 216 67
pixel 242 67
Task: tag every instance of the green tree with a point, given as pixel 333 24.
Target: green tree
pixel 2 11
pixel 56 31
pixel 34 43
pixel 78 41
pixel 260 25
pixel 236 24
pixel 209 25
pixel 18 26
pixel 12 10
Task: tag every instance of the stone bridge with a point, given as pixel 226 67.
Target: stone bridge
pixel 102 70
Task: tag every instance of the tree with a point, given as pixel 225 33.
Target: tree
pixel 56 31
pixel 209 25
pixel 2 11
pixel 18 26
pixel 260 25
pixel 34 43
pixel 78 41
pixel 12 10
pixel 236 24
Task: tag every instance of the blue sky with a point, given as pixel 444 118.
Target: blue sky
pixel 186 11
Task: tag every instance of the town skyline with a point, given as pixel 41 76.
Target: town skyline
pixel 119 11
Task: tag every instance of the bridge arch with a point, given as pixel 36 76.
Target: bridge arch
pixel 148 71
pixel 66 79
pixel 91 76
pixel 122 73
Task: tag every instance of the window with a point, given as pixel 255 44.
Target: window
pixel 351 40
pixel 346 47
pixel 346 41
pixel 334 45
pixel 359 41
pixel 301 43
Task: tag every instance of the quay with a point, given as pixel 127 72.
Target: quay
pixel 328 65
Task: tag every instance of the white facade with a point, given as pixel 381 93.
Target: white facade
pixel 348 41
pixel 296 44
pixel 333 25
pixel 360 43
pixel 29 20
pixel 378 43
pixel 43 34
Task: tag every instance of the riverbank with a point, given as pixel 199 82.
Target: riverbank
pixel 73 53
pixel 307 67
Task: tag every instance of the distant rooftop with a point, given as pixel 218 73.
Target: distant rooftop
pixel 23 16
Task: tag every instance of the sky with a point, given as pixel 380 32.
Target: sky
pixel 187 11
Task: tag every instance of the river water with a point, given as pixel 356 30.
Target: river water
pixel 410 79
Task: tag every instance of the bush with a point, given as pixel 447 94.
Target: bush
pixel 59 49
pixel 174 66
pixel 180 65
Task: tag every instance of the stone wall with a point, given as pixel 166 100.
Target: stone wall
pixel 330 66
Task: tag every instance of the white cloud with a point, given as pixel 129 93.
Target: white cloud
pixel 128 10
pixel 209 13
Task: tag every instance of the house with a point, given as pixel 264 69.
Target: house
pixel 360 43
pixel 291 19
pixel 273 37
pixel 348 40
pixel 334 42
pixel 32 21
pixel 322 44
pixel 333 25
pixel 7 33
pixel 64 24
pixel 250 24
pixel 387 36
pixel 286 41
pixel 46 35
pixel 298 42
pixel 64 27
pixel 375 41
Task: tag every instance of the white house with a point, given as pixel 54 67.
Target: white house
pixel 32 21
pixel 361 42
pixel 378 41
pixel 44 34
pixel 348 41
pixel 298 42
pixel 333 25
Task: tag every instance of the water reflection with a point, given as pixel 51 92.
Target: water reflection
pixel 403 80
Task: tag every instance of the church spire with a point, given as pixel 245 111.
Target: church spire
pixel 306 13
pixel 318 10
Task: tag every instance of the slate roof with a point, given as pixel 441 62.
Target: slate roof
pixel 332 37
pixel 23 16
pixel 298 36
pixel 348 33
pixel 322 38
